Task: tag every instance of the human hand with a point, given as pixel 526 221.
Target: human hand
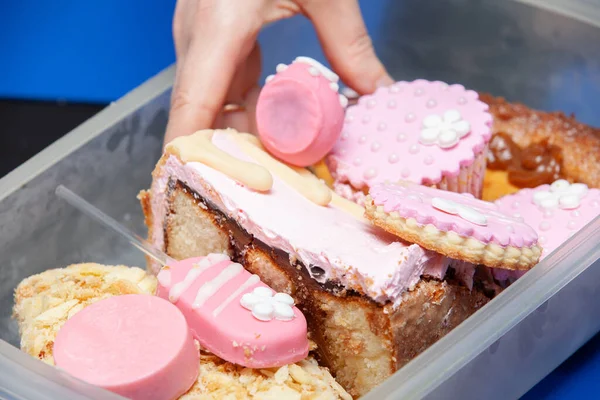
pixel 218 58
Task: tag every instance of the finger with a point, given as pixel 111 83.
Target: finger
pixel 245 77
pixel 347 44
pixel 204 75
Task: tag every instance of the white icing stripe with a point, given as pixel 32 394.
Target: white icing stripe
pixel 327 73
pixel 179 288
pixel 209 288
pixel 254 279
pixel 164 277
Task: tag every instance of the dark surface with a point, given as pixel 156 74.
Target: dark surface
pixel 27 127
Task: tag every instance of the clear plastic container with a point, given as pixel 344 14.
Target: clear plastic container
pixel 525 53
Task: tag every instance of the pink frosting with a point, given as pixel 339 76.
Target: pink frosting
pixel 221 324
pixel 410 200
pixel 380 140
pixel 298 115
pixel 554 225
pixel 138 346
pixel 351 252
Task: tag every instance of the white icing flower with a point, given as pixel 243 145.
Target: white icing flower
pixel 467 213
pixel 445 130
pixel 265 306
pixel 562 195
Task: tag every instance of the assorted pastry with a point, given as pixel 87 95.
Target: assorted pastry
pixel 323 254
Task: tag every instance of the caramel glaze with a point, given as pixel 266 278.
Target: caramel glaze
pixel 537 164
pixel 577 143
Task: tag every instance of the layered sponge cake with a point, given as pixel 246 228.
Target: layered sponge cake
pixel 372 302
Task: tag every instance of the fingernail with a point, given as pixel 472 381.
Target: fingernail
pixel 384 81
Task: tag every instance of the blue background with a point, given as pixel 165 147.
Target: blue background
pixel 96 51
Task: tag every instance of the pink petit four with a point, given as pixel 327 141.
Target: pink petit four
pixel 233 314
pixel 555 211
pixel 418 213
pixel 138 346
pixel 299 114
pixel 425 132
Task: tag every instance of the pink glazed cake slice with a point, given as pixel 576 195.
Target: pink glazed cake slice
pixel 430 133
pixel 362 291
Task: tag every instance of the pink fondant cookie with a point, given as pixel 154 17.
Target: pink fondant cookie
pixel 555 211
pixel 424 132
pixel 138 346
pixel 456 225
pixel 299 114
pixel 233 314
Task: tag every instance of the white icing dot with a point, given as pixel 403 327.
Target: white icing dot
pixel 419 92
pixel 517 215
pixel 349 118
pixel 391 104
pixel 510 228
pixel 313 71
pixel 544 225
pixel 343 100
pixel 362 139
pixel 413 149
pixel 410 117
pixel 357 161
pixel 516 204
pixel 462 101
pixel 280 67
pixel 327 73
pixel 405 172
pixel 572 225
pixel 428 160
pixel 343 152
pixel 542 240
pixel 371 103
pixel 381 126
pixel 393 158
pixel 431 103
pixel 575 213
pixel 594 203
pixel 375 146
pixel 370 173
pixel 394 89
pixel 269 78
pixel 548 213
pixel 366 119
pixel 334 86
pixel 344 135
pixel 401 137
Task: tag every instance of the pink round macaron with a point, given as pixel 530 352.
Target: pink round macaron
pixel 233 314
pixel 299 114
pixel 555 211
pixel 430 133
pixel 138 346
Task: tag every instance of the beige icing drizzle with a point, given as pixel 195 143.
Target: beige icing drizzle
pixel 199 148
pixel 338 201
pixel 313 189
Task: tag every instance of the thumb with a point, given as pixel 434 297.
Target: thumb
pixel 347 44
